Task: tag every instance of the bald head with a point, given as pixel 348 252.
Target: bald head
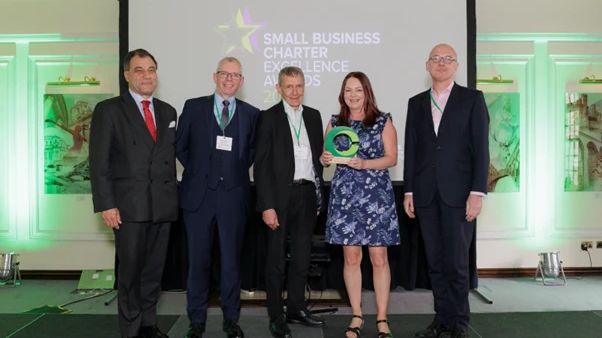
pixel 442 65
pixel 443 49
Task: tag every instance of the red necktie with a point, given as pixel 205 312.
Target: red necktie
pixel 148 119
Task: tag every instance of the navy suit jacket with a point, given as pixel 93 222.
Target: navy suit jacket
pixel 128 170
pixel 455 161
pixel 195 141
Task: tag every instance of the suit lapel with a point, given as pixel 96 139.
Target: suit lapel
pixel 450 106
pixel 309 127
pixel 161 122
pixel 282 120
pixel 242 124
pixel 137 121
pixel 428 112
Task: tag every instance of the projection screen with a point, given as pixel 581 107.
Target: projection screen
pixel 388 40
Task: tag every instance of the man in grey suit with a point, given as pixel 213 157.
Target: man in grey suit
pixel 133 176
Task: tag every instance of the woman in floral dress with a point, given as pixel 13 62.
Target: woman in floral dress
pixel 361 210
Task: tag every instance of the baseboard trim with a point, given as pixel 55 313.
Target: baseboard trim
pixel 530 272
pixel 51 274
pixel 488 273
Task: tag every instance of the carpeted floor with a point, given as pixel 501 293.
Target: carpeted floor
pixel 489 325
pixel 66 325
pixel 587 324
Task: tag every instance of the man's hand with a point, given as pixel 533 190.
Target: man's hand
pixel 473 207
pixel 408 205
pixel 112 218
pixel 270 218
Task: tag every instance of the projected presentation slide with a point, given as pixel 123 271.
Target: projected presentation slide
pixel 388 40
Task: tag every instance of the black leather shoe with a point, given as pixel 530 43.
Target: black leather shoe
pixel 434 330
pixel 151 332
pixel 279 329
pixel 457 333
pixel 304 317
pixel 195 331
pixel 232 329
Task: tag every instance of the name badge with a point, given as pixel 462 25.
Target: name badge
pixel 301 152
pixel 223 143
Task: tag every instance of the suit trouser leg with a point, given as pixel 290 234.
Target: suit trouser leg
pixel 231 220
pixel 274 266
pixel 199 232
pixel 429 219
pixel 301 221
pixel 157 240
pixel 447 237
pixel 458 233
pixel 140 248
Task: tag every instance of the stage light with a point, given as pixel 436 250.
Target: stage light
pixel 550 269
pixel 9 269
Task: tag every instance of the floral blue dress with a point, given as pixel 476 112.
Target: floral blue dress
pixel 362 210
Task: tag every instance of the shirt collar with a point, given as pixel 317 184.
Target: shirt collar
pixel 220 100
pixel 445 91
pixel 138 98
pixel 290 110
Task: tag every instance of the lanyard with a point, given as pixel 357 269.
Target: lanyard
pixel 297 130
pixel 435 103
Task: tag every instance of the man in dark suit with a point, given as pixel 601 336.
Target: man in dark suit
pixel 133 176
pixel 215 144
pixel 445 177
pixel 288 176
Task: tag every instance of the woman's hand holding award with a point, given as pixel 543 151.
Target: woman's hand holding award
pixel 342 156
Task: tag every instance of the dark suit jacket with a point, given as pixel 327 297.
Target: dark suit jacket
pixel 275 162
pixel 195 142
pixel 128 170
pixel 455 161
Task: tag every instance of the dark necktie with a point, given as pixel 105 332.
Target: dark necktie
pixel 148 119
pixel 225 114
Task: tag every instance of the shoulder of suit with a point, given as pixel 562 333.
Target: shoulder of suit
pixel 420 95
pixel 110 103
pixel 274 109
pixel 310 109
pixel 246 106
pixel 466 91
pixel 163 104
pixel 200 99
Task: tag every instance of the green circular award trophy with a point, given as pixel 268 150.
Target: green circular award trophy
pixel 342 156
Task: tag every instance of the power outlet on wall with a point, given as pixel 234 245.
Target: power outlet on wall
pixel 586 245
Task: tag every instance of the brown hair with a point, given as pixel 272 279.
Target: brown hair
pixel 370 108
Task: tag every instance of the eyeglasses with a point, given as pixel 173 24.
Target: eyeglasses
pixel 446 59
pixel 224 75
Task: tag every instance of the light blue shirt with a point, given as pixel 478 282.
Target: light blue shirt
pixel 219 105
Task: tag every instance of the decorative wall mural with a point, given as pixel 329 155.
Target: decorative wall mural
pixel 583 146
pixel 66 131
pixel 504 142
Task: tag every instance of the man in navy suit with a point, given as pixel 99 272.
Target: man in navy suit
pixel 133 176
pixel 445 178
pixel 215 144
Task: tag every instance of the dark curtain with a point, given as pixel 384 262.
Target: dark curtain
pixel 407 261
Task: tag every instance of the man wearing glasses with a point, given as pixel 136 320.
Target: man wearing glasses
pixel 215 144
pixel 446 161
